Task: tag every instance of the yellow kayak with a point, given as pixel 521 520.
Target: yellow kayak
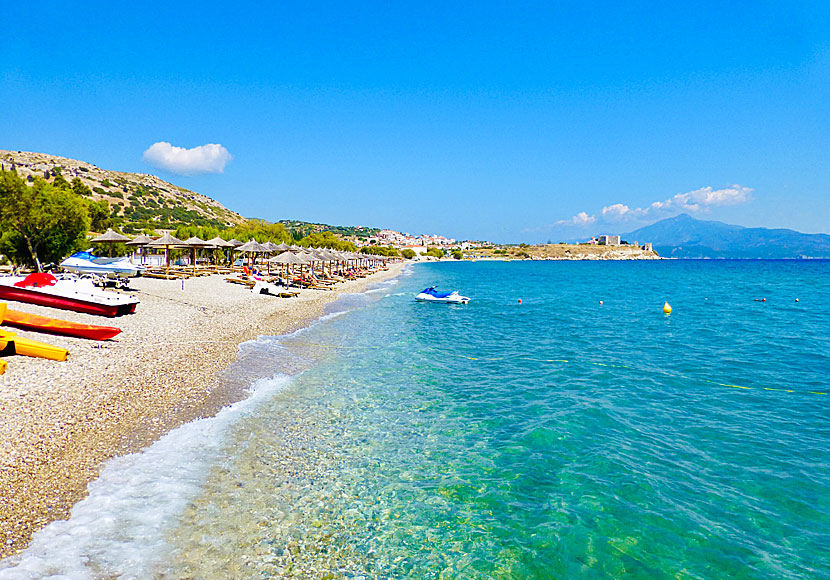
pixel 29 347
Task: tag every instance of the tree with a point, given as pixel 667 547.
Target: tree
pixel 435 252
pixel 41 223
pixel 79 187
pixel 408 253
pixel 457 254
pixel 380 251
pixel 99 215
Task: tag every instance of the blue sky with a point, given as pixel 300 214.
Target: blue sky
pixel 519 121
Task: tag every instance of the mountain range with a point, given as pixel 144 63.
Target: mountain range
pixel 686 237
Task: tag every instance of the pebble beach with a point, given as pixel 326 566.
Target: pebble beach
pixel 62 420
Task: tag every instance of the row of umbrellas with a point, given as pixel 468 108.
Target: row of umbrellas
pixel 293 255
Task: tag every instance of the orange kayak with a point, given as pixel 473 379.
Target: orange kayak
pixel 37 323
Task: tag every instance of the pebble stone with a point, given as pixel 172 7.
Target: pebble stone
pixel 61 420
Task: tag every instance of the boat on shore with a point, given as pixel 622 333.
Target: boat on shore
pixel 432 295
pixel 26 321
pixel 76 294
pixel 87 263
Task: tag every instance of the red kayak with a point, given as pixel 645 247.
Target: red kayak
pixel 54 326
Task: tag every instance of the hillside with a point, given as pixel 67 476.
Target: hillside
pixel 137 200
pixel 347 232
pixel 685 237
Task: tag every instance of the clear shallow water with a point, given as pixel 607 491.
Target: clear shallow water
pixel 557 438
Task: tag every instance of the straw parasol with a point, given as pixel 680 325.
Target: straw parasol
pixel 110 238
pixel 218 242
pixel 166 241
pixel 195 243
pixel 252 247
pixel 234 244
pixel 287 258
pixel 140 241
pixel 270 247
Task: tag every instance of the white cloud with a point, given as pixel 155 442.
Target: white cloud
pixel 618 211
pixel 580 219
pixel 702 199
pixel 697 201
pixel 210 158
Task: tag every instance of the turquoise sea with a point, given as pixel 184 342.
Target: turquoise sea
pixel 579 434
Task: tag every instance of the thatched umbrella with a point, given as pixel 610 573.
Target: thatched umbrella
pixel 140 241
pixel 270 247
pixel 287 258
pixel 219 243
pixel 195 243
pixel 252 247
pixel 235 243
pixel 330 257
pixel 110 238
pixel 166 241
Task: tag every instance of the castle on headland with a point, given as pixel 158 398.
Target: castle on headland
pixel 609 240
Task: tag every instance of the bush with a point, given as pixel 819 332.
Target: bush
pixel 408 253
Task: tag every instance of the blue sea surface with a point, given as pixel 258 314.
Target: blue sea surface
pixel 580 433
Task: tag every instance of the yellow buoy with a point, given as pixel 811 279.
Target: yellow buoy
pixel 666 308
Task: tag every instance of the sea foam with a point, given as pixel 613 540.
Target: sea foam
pixel 118 530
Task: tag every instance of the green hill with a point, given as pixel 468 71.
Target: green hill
pixel 136 201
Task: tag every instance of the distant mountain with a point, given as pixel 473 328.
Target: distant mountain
pixel 685 237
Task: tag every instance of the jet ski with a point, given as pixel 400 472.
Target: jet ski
pixel 432 295
pixel 86 263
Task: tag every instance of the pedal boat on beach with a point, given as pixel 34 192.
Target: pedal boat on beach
pixel 78 295
pixel 432 295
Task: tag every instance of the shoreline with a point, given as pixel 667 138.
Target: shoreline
pixel 116 397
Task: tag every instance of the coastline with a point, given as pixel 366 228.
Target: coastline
pixel 116 397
